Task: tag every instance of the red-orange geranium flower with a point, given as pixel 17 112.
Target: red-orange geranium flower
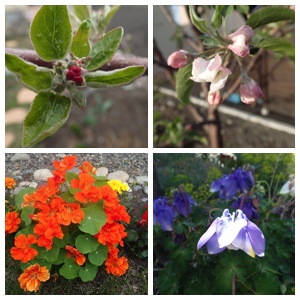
pixel 12 222
pixel 109 196
pixel 9 182
pixel 68 163
pixel 31 279
pixel 116 213
pixel 22 250
pixel 70 213
pixel 47 230
pixel 88 191
pixel 87 167
pixel 111 234
pixel 115 265
pixel 73 252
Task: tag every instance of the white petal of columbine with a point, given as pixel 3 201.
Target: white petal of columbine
pixel 228 229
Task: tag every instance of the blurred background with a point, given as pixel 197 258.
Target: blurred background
pixel 115 117
pixel 268 123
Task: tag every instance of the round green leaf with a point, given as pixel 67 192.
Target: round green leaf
pixel 49 255
pixel 98 257
pixel 35 78
pixel 85 243
pixel 70 269
pixel 51 32
pixel 88 273
pixel 20 196
pixel 68 197
pixel 47 114
pixel 26 211
pixel 94 219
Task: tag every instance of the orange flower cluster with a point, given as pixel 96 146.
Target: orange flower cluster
pixel 73 252
pixel 115 265
pixel 9 182
pixel 12 222
pixel 51 212
pixel 22 250
pixel 32 277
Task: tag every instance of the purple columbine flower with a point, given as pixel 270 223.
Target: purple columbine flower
pixel 248 209
pixel 183 203
pixel 164 213
pixel 228 185
pixel 233 231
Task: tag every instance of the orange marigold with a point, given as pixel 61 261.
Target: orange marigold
pixel 12 222
pixel 111 234
pixel 116 266
pixel 73 252
pixel 87 167
pixel 22 250
pixel 32 277
pixel 9 182
pixel 68 163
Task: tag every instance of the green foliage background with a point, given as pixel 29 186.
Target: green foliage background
pixel 180 269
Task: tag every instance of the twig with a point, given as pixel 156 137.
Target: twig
pixel 117 62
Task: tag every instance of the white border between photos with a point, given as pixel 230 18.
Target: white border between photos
pixel 150 150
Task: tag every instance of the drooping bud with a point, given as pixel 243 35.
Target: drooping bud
pixel 240 38
pixel 250 90
pixel 178 59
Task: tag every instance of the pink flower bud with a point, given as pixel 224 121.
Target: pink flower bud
pixel 250 91
pixel 240 40
pixel 74 74
pixel 215 98
pixel 210 71
pixel 178 59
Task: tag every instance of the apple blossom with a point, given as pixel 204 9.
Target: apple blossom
pixel 240 38
pixel 210 71
pixel 178 59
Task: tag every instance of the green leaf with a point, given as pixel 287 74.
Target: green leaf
pixel 47 114
pixel 108 12
pixel 199 23
pixel 68 197
pixel 104 49
pixel 243 9
pixel 20 196
pixel 51 32
pixel 26 211
pixel 119 77
pixel 49 255
pixel 270 14
pixel 99 256
pixel 35 78
pixel 82 11
pixel 216 20
pixel 70 269
pixel 267 284
pixel 85 243
pixel 77 96
pixel 81 45
pixel 132 235
pixel 88 273
pixel 94 219
pixel 184 84
pixel 279 45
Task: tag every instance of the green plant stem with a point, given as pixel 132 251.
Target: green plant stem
pixel 239 281
pixel 233 284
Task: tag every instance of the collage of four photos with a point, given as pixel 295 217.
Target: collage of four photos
pixel 103 193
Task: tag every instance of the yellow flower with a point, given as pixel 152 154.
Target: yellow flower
pixel 118 186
